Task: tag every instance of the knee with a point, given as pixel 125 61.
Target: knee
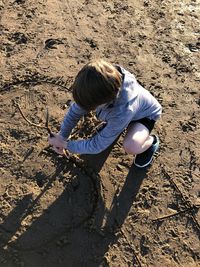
pixel 132 147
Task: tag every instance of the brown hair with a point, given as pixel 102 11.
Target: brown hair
pixel 97 83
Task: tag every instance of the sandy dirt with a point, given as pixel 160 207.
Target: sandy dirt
pixel 98 210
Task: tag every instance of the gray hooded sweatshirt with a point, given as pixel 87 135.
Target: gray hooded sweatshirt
pixel 133 103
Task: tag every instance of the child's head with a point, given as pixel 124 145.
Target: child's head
pixel 97 83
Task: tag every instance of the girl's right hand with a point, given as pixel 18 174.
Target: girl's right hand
pixel 58 143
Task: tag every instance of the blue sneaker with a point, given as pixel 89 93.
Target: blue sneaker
pixel 144 159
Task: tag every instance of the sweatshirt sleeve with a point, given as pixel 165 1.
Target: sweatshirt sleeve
pixel 71 119
pixel 101 140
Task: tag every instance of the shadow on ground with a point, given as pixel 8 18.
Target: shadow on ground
pixel 75 211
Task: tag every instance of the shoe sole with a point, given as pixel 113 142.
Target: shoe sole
pixel 149 162
pixel 145 165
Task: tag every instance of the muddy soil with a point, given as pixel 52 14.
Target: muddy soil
pixel 98 210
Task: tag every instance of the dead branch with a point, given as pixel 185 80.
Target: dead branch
pixel 171 215
pixel 27 120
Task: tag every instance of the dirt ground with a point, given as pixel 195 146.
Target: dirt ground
pixel 98 210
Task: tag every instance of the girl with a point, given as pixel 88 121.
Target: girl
pixel 121 102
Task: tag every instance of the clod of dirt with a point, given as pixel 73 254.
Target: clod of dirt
pixel 20 1
pixel 7 48
pixel 194 47
pixel 50 43
pixel 19 38
pixel 91 42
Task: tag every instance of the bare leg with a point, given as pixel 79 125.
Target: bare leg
pixel 137 139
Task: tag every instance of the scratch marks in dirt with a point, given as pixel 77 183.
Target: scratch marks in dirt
pixel 189 208
pixel 36 78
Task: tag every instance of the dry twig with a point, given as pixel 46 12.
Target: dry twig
pixel 174 214
pixel 27 120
